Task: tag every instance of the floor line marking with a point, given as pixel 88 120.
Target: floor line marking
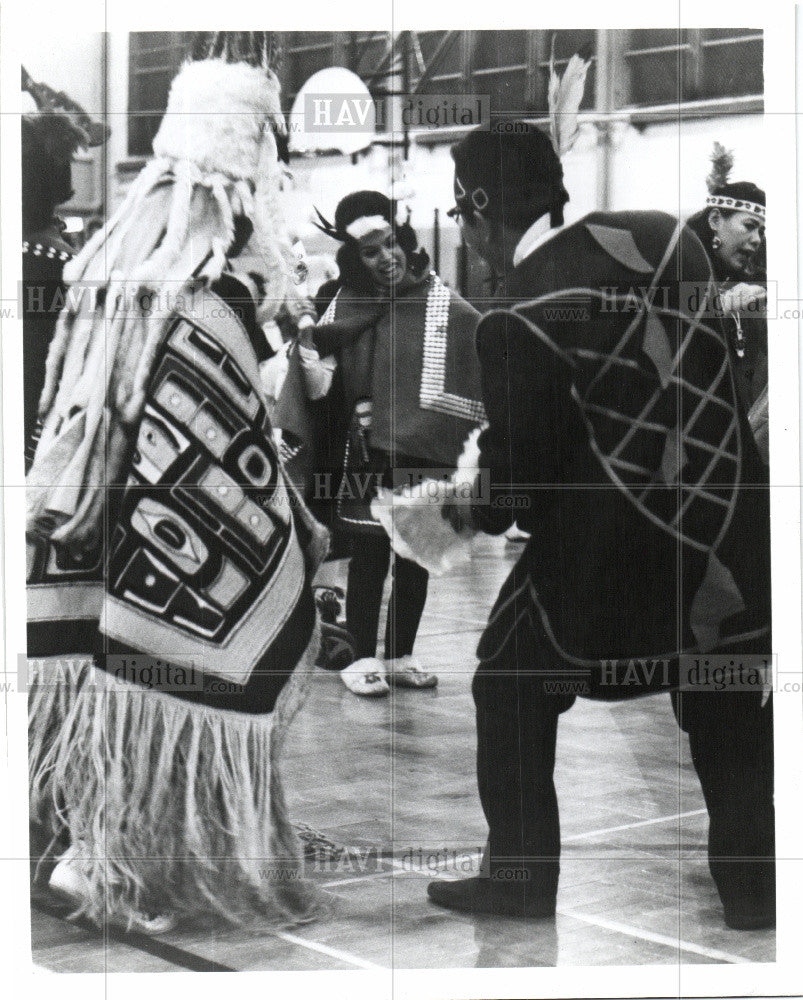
pixel 633 826
pixel 399 866
pixel 676 943
pixel 158 947
pixel 324 949
pixel 356 878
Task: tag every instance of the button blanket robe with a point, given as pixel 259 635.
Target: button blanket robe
pixel 169 558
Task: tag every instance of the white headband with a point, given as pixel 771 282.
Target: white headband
pixel 366 224
pixel 737 204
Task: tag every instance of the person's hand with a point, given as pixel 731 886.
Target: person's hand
pixel 742 298
pixel 298 308
pixel 457 512
pixel 304 336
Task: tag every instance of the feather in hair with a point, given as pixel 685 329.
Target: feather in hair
pixel 721 166
pixel 564 96
pixel 325 226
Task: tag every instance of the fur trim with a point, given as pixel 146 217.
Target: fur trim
pixel 366 224
pixel 172 807
pixel 469 461
pixel 417 530
pixel 413 520
pixel 215 144
pixel 216 116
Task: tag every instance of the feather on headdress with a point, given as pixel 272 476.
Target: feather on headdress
pixel 326 226
pixel 85 130
pixel 215 159
pixel 564 96
pixel 742 196
pixel 51 136
pixel 721 166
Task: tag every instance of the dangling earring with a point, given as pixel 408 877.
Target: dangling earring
pixel 716 242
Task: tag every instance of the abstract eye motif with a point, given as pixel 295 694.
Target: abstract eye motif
pixel 255 466
pixel 170 534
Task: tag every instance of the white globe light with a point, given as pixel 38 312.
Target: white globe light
pixel 333 111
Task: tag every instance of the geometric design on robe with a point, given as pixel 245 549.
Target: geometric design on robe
pixel 674 457
pixel 656 346
pixel 717 598
pixel 620 245
pixel 432 390
pixel 331 311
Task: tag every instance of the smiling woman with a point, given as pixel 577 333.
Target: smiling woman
pixel 382 257
pixel 394 355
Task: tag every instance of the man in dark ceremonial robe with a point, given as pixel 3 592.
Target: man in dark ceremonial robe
pixel 612 411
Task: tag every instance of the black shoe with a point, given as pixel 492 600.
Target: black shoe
pixel 482 895
pixel 749 920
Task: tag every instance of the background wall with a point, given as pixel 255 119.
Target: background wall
pixel 76 65
pixel 660 166
pixel 637 163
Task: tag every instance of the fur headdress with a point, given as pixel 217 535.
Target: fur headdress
pixel 215 160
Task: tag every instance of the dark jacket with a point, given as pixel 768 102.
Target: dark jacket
pixel 614 420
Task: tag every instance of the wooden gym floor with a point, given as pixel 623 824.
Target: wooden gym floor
pixel 393 779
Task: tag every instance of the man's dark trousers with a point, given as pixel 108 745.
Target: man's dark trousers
pixel 517 726
pixel 518 709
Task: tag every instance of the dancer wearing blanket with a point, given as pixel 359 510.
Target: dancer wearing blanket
pixel 612 410
pixel 50 138
pixel 394 356
pixel 165 542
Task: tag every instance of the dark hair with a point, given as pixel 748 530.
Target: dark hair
pixel 698 224
pixel 354 274
pixel 520 215
pixel 516 171
pixel 363 203
pixel 48 143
